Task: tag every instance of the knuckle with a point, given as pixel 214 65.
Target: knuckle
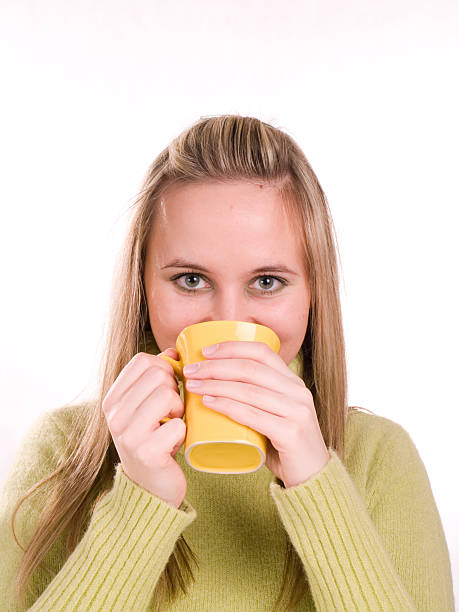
pixel 252 394
pixel 300 382
pixel 142 454
pixel 158 376
pixel 164 365
pixel 144 360
pixel 180 425
pixel 251 368
pixel 106 406
pixel 297 433
pixel 308 392
pixel 152 375
pixel 140 358
pixel 126 442
pixel 168 393
pixel 169 397
pixel 165 375
pixel 115 424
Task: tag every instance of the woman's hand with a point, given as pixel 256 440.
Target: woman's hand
pixel 143 394
pixel 252 385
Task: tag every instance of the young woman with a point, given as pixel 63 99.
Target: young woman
pixel 102 512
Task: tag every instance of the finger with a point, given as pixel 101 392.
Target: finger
pixel 131 373
pixel 164 441
pixel 257 351
pixel 249 371
pixel 269 425
pixel 146 418
pixel 263 399
pixel 122 412
pixel 171 352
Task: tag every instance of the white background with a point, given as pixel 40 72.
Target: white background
pixel 92 91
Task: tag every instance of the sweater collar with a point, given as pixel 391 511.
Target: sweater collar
pixel 297 364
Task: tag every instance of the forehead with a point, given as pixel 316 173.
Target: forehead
pixel 224 219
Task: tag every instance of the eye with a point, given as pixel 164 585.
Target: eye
pixel 267 283
pixel 190 283
pixel 191 280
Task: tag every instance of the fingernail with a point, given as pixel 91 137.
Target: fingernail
pixel 210 350
pixel 189 369
pixel 193 384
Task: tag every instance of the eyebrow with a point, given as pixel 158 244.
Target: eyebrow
pixel 181 263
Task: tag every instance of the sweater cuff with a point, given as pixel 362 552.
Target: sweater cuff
pixel 129 540
pixel 122 477
pixel 341 551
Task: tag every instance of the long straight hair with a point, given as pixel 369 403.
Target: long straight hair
pixel 221 148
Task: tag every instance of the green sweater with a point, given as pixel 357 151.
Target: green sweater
pixel 367 531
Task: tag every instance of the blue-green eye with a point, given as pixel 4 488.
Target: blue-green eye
pixel 191 283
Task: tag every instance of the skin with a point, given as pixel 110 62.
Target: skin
pixel 231 229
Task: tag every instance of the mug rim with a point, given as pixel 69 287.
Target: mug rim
pixel 211 323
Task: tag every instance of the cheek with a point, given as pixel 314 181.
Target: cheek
pixel 290 323
pixel 167 318
pixel 291 317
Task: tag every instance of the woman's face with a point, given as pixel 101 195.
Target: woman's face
pixel 226 241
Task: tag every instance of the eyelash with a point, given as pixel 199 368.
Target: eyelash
pixel 191 273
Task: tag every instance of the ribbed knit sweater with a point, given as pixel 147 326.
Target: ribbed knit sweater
pixel 367 532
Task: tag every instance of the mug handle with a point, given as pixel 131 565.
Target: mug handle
pixel 178 369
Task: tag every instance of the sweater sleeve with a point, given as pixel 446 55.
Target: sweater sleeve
pixel 391 556
pixel 120 558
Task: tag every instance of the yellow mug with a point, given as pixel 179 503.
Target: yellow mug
pixel 214 442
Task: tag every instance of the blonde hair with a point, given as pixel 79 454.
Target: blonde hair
pixel 214 148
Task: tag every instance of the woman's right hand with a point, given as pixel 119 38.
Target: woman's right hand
pixel 144 393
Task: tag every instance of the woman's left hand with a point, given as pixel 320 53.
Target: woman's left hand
pixel 269 398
